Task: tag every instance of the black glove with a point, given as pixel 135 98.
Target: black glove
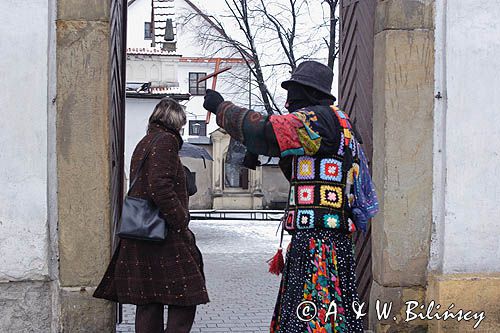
pixel 212 100
pixel 251 160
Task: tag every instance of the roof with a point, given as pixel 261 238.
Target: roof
pixel 200 140
pixel 212 60
pixel 157 93
pixel 163 14
pixel 178 97
pixel 150 51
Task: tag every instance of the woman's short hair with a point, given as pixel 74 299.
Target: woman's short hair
pixel 169 113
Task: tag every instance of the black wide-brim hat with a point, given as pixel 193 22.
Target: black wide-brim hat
pixel 312 74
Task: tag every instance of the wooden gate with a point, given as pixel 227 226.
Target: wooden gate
pixel 117 104
pixel 357 19
pixel 117 109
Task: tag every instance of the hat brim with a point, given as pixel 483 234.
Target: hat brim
pixel 286 84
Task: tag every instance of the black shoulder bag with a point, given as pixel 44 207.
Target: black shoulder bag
pixel 141 218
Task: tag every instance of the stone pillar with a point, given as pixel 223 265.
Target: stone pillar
pixel 402 156
pixel 256 187
pixel 83 162
pixel 218 155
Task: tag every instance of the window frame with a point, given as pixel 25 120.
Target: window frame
pixel 148 33
pixel 200 88
pixel 203 128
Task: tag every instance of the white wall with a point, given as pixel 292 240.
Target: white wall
pixel 194 106
pixel 467 153
pixel 136 124
pixel 154 68
pixel 138 13
pixel 24 41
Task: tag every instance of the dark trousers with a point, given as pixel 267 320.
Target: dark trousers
pixel 149 318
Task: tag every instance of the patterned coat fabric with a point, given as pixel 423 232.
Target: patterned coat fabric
pixel 320 157
pixel 323 169
pixel 169 272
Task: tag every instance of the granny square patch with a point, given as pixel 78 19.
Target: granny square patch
pixel 305 167
pixel 305 195
pixel 331 221
pixel 331 196
pixel 290 220
pixel 331 169
pixel 305 219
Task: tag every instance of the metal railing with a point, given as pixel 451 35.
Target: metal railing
pixel 228 214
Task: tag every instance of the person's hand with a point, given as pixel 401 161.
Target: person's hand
pixel 212 100
pixel 251 160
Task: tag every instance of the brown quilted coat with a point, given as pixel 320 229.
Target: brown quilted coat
pixel 170 272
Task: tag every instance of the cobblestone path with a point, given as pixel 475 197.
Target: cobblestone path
pixel 241 291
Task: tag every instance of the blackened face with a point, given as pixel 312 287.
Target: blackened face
pixel 297 98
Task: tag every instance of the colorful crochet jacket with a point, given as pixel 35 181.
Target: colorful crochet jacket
pixel 330 183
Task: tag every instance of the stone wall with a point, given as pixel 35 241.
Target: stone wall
pixel 464 267
pixel 27 221
pixel 468 118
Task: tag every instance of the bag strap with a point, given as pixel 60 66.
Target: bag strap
pixel 143 161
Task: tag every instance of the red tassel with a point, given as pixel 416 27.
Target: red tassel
pixel 277 263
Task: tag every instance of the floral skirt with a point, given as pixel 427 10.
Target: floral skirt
pixel 318 286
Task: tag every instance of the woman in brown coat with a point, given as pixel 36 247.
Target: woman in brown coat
pixel 151 274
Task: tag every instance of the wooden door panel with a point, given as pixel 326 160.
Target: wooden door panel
pixel 357 19
pixel 118 40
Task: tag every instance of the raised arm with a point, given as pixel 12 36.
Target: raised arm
pixel 249 127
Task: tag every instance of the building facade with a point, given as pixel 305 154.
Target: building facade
pixel 172 68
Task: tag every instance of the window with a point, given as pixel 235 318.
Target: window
pixel 196 88
pixel 197 127
pixel 235 176
pixel 148 31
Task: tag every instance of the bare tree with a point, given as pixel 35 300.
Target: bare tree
pixel 333 47
pixel 268 38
